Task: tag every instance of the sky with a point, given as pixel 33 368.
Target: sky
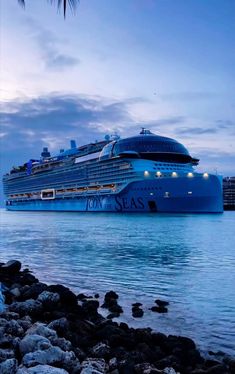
pixel 117 66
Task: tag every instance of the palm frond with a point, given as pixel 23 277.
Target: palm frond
pixel 60 3
pixel 21 2
pixel 65 3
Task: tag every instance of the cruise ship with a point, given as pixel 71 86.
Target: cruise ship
pixel 142 173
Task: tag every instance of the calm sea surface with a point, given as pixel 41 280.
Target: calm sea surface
pixel 186 259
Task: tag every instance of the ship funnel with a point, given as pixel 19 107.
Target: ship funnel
pixel 73 144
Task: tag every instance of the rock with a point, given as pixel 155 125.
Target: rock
pixel 93 366
pixel 33 291
pixel 115 308
pixel 5 341
pixel 113 315
pixel 49 299
pixel 100 350
pixel 10 315
pixel 79 354
pixel 59 325
pixel 96 296
pixel 11 267
pixel 82 296
pixel 169 370
pixel 5 354
pixel 137 304
pixel 113 363
pixel 25 322
pixel 145 368
pixel 67 297
pixel 42 369
pixel 30 307
pixel 167 361
pixel 111 295
pixel 62 343
pixel 106 332
pixel 137 312
pixel 15 292
pixel 3 322
pixel 9 366
pixel 159 309
pixel 28 279
pixel 50 356
pixel 39 328
pixel 231 364
pixel 31 343
pixel 90 306
pixel 13 328
pixel 217 369
pixel 70 361
pixel 161 302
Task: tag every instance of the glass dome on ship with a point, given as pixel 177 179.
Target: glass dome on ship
pixel 148 146
pixel 143 173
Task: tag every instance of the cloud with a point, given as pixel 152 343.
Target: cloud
pixel 189 96
pixel 191 131
pixel 225 124
pixel 49 47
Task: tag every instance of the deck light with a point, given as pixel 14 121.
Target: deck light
pixel 189 192
pixel 146 173
pixel 190 175
pixel 205 175
pixel 158 173
pixel 174 174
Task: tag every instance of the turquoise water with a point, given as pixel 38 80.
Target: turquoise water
pixel 186 259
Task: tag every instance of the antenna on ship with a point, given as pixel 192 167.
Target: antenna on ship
pixel 144 131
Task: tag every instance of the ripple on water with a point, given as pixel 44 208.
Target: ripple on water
pixel 186 259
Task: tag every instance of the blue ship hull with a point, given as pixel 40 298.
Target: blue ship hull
pixel 179 195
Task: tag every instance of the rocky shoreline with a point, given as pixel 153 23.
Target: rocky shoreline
pixel 47 329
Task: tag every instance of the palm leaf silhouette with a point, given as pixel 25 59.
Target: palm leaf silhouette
pixel 60 3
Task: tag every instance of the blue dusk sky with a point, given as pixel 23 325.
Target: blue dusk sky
pixel 117 66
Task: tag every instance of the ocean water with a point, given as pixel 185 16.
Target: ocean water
pixel 186 259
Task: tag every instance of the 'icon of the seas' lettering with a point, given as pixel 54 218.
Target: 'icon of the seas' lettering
pixel 123 203
pixel 94 203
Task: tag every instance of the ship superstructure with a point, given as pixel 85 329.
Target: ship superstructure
pixel 143 173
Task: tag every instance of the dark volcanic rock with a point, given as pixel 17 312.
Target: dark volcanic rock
pixel 45 330
pixel 82 297
pixel 137 304
pixel 161 302
pixel 30 307
pixel 9 366
pixel 33 291
pixel 113 315
pixel 90 306
pixel 159 309
pixel 111 295
pixel 67 297
pixel 137 312
pixel 11 267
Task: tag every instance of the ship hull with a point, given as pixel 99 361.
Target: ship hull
pixel 181 195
